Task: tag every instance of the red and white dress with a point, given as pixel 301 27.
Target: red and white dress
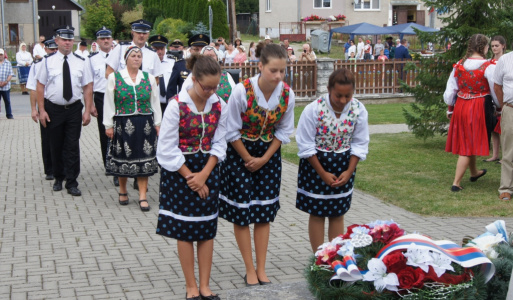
pixel 467 87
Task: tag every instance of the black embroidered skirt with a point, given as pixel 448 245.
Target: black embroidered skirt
pixel 183 215
pixel 132 150
pixel 316 197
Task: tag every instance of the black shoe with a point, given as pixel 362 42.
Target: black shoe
pixel 49 177
pixel 264 282
pixel 192 298
pixel 456 188
pixel 116 181
pixel 57 185
pixel 74 191
pixel 475 178
pixel 10 118
pixel 123 202
pixel 147 208
pixel 249 284
pixel 211 297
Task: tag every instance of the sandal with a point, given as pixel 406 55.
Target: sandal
pixel 505 196
pixel 147 208
pixel 456 188
pixel 123 202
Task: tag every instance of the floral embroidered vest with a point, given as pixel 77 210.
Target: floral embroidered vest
pixel 197 131
pixel 225 89
pixel 131 100
pixel 472 84
pixel 335 135
pixel 258 122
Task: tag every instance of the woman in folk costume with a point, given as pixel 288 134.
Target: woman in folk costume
pixel 24 61
pixel 332 137
pixel 132 119
pixel 261 118
pixel 191 143
pixel 468 86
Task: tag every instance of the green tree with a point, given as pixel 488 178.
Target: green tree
pixel 99 14
pixel 462 19
pixel 174 29
pixel 219 27
pixel 246 6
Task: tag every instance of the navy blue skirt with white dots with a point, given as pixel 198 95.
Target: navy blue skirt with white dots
pixel 247 197
pixel 183 215
pixel 316 197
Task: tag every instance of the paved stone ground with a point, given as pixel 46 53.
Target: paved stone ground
pixel 53 245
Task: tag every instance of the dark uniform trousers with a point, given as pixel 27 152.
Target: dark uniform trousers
pixel 45 149
pixel 64 131
pixel 98 102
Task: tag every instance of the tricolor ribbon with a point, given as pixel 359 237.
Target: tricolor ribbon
pixel 466 257
pixel 346 269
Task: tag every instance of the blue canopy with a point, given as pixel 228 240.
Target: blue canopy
pixel 407 29
pixel 360 29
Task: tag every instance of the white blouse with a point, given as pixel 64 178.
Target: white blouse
pixel 307 129
pixel 23 57
pixel 238 103
pixel 109 107
pixel 228 58
pixel 470 64
pixel 169 155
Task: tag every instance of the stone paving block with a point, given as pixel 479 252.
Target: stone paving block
pixel 18 295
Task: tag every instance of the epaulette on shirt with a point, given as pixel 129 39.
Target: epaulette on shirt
pixel 78 56
pixel 150 48
pixel 48 55
pixel 124 43
pixel 93 54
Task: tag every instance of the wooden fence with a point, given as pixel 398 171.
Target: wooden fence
pixel 377 77
pixel 300 76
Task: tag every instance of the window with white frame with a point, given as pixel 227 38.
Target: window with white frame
pixel 268 5
pixel 367 4
pixel 322 3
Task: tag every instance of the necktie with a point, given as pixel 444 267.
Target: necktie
pixel 162 86
pixel 66 80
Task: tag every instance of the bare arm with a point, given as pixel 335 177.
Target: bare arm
pixel 43 115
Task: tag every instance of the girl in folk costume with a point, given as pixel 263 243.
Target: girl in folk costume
pixel 498 44
pixel 132 119
pixel 468 86
pixel 191 143
pixel 261 118
pixel 332 136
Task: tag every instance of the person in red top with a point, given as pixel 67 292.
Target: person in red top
pixel 469 84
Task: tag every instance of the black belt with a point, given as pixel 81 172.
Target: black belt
pixel 65 106
pixel 99 93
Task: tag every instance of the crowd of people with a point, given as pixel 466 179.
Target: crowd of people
pixel 216 144
pixel 379 51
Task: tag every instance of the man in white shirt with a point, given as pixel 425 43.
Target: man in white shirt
pixel 359 49
pixel 503 78
pixel 377 49
pixel 62 79
pixel 39 49
pixel 159 43
pixel 50 48
pixel 95 65
pixel 82 50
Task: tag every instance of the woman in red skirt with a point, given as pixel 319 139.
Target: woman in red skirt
pixel 467 88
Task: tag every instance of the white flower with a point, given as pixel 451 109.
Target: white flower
pixel 418 257
pixel 440 263
pixel 378 273
pixel 360 240
pixel 486 242
pixel 346 249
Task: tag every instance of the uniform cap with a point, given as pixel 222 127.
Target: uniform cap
pixel 67 32
pixel 158 41
pixel 50 44
pixel 141 26
pixel 200 40
pixel 104 33
pixel 176 42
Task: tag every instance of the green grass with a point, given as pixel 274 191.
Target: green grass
pixel 378 113
pixel 417 176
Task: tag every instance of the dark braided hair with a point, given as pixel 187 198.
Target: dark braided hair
pixel 476 44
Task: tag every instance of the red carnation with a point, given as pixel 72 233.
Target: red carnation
pixel 395 262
